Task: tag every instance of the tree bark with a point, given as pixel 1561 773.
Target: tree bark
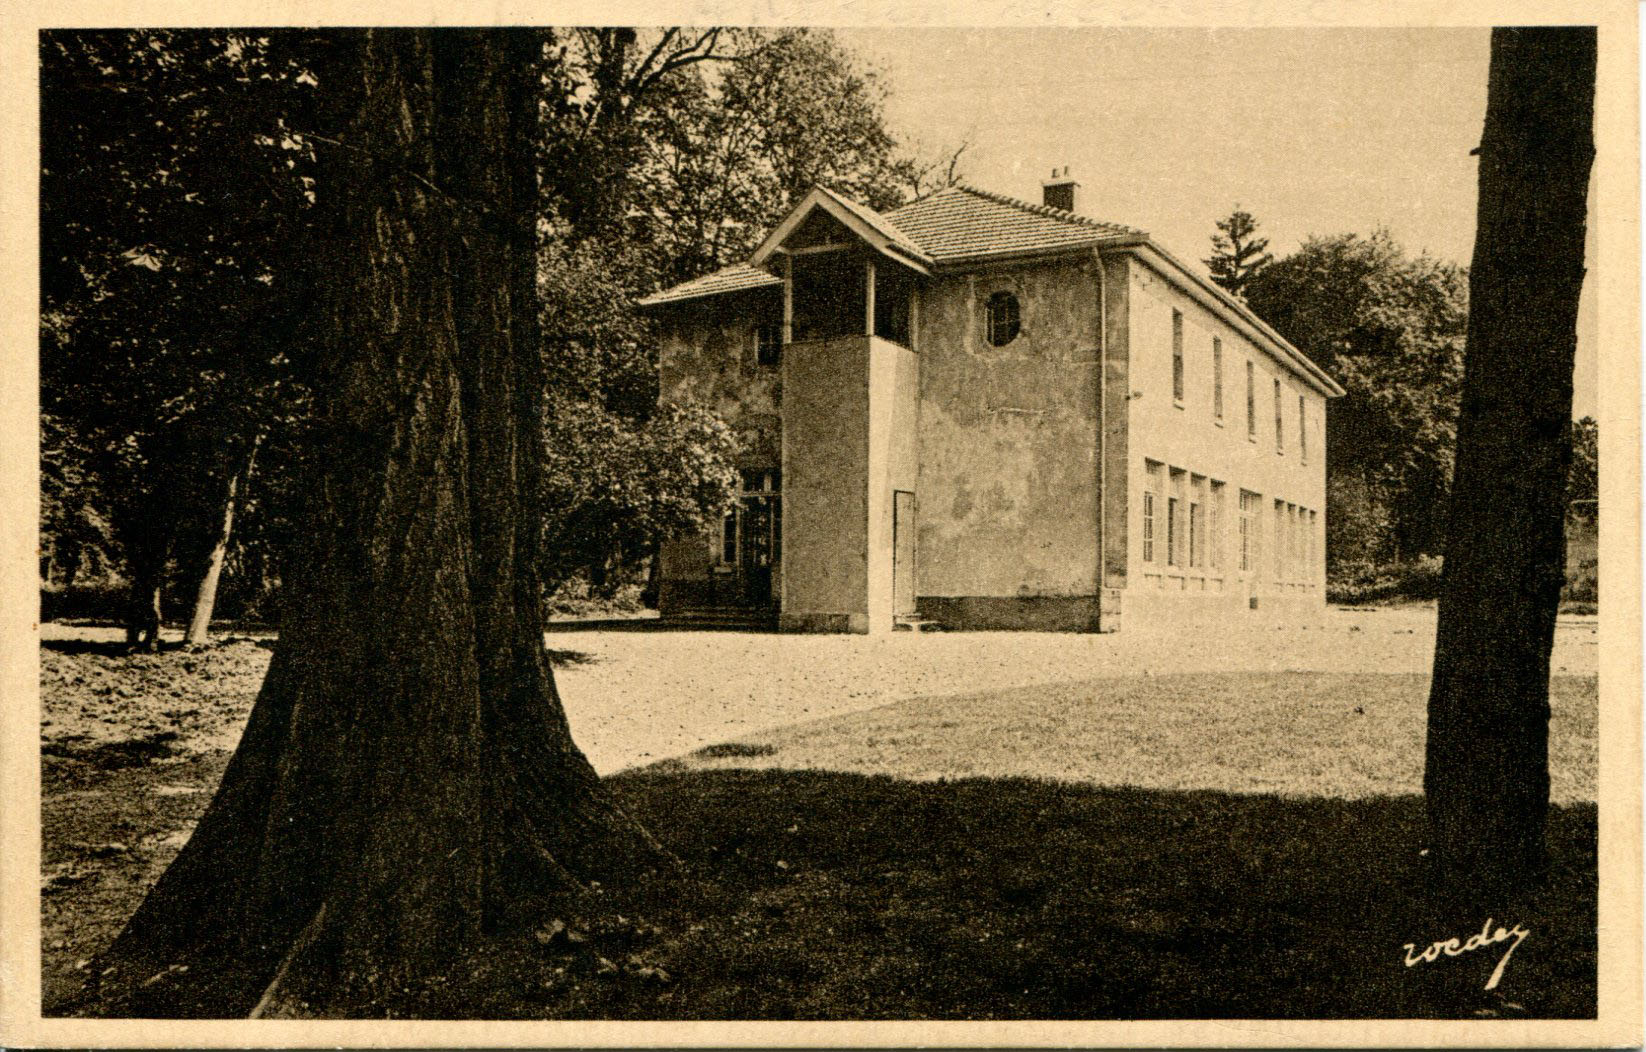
pixel 1486 777
pixel 407 774
pixel 205 596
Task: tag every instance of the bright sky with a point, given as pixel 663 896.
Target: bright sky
pixel 1313 131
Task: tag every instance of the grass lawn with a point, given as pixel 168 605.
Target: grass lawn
pixel 1223 845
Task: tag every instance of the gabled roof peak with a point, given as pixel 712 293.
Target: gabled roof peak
pixel 875 230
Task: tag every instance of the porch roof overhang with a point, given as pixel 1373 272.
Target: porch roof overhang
pixel 871 229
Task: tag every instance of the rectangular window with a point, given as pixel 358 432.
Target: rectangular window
pixel 1248 526
pixel 1197 539
pixel 1280 540
pixel 1217 378
pixel 1251 403
pixel 1302 429
pixel 728 539
pixel 1214 536
pixel 768 344
pixel 1152 472
pixel 1148 526
pixel 1291 541
pixel 1177 356
pixel 1172 532
pixel 1314 548
pixel 1280 422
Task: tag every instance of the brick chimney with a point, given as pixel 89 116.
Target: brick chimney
pixel 1058 191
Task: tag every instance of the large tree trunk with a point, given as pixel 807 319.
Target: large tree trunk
pixel 1486 778
pixel 407 773
pixel 205 596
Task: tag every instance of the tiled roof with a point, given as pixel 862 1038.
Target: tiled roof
pixel 957 223
pixel 881 223
pixel 963 222
pixel 735 278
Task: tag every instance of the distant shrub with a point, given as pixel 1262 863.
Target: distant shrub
pixel 1582 582
pixel 101 600
pixel 1356 583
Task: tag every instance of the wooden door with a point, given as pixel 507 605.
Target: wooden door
pixel 903 534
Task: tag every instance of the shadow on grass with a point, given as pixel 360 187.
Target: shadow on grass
pixel 129 752
pixel 105 648
pixel 850 896
pixel 569 658
pixel 817 895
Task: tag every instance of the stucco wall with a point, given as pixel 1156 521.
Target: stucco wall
pixel 826 472
pixel 1188 435
pixel 1008 436
pixel 707 356
pixel 894 374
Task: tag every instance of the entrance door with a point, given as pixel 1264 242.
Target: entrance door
pixel 903 534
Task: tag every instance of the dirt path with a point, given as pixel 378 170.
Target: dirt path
pixel 640 695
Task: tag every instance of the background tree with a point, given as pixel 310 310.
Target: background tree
pixel 179 176
pixel 1584 483
pixel 173 210
pixel 1238 254
pixel 1390 328
pixel 1486 772
pixel 729 148
pixel 407 773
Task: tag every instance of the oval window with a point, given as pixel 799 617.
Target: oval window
pixel 1003 321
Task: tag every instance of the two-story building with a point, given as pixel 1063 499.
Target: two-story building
pixel 986 413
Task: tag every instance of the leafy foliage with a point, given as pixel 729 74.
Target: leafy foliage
pixel 180 171
pixel 1390 328
pixel 1238 254
pixel 615 486
pixel 1584 483
pixel 728 151
pixel 173 205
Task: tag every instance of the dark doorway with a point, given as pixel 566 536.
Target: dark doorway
pixel 758 532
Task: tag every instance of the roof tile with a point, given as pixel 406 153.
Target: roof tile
pixel 963 222
pixel 736 278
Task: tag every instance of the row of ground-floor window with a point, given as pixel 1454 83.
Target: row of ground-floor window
pixel 1187 543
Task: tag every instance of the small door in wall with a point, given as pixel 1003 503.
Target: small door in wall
pixel 903 535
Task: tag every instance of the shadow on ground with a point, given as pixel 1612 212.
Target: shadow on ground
pixel 850 896
pixel 841 896
pixel 1071 851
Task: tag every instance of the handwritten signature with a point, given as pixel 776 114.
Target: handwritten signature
pixel 1486 937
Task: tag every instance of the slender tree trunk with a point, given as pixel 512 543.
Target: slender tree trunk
pixel 205 596
pixel 407 774
pixel 1486 777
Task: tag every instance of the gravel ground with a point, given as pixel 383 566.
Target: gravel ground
pixel 636 694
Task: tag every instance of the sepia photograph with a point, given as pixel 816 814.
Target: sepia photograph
pixel 631 525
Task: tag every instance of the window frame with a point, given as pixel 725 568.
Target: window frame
pixel 1303 428
pixel 1215 524
pixel 1148 526
pixel 1002 298
pixel 768 345
pixel 1251 401
pixel 1179 380
pixel 1217 379
pixel 1280 419
pixel 1173 533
